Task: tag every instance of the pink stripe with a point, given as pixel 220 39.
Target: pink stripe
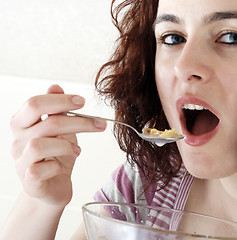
pixel 174 184
pixel 188 187
pixel 175 222
pixel 124 184
pixel 167 196
pixel 115 213
pixel 170 191
pixel 183 192
pixel 171 196
pixel 181 200
pixel 183 197
pixel 164 203
pixel 176 192
pixel 100 196
pixel 180 195
pixel 165 200
pixel 176 181
pixel 150 192
pixel 175 189
pixel 158 223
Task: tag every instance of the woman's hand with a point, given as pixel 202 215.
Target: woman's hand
pixel 45 150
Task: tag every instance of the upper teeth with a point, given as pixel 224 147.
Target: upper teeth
pixel 193 107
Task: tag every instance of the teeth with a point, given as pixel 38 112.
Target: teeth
pixel 193 107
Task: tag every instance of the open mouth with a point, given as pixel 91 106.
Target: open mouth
pixel 199 120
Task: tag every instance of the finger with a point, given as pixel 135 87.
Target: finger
pixel 18 145
pixel 44 170
pixel 43 148
pixel 56 125
pixel 55 89
pixel 37 106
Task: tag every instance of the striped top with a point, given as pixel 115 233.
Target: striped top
pixel 126 185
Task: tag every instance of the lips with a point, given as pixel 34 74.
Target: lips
pixel 199 121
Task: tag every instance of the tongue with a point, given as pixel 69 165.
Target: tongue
pixel 205 122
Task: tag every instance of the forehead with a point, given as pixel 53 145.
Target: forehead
pixel 195 9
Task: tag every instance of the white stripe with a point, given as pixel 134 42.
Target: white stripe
pixel 171 189
pixel 183 192
pixel 164 199
pixel 112 191
pixel 135 179
pixel 163 204
pixel 155 216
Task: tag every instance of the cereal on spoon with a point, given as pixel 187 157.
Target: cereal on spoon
pixel 167 133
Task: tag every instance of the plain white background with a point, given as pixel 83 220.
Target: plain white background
pixel 65 42
pixel 55 39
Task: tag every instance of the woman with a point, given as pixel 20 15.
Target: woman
pixel 175 60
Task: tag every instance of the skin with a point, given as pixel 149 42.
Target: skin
pixel 202 67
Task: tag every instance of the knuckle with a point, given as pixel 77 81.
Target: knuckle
pixel 19 169
pixel 14 149
pixel 32 104
pixel 53 124
pixel 13 122
pixel 33 173
pixel 34 147
pixel 69 147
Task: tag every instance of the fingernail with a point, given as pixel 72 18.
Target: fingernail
pixel 100 124
pixel 77 100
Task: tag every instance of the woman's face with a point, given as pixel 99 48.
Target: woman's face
pixel 196 75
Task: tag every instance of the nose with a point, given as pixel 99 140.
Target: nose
pixel 194 63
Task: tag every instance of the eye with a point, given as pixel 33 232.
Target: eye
pixel 229 38
pixel 172 39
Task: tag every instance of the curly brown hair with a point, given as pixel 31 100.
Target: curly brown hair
pixel 127 80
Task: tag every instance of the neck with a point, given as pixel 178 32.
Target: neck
pixel 215 197
pixel 229 186
pixel 227 194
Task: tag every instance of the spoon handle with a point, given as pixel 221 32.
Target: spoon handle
pixel 102 118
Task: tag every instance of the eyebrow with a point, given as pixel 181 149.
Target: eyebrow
pixel 219 16
pixel 214 17
pixel 167 18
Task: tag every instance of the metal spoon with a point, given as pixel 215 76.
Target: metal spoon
pixel 158 140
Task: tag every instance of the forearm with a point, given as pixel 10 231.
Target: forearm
pixel 31 219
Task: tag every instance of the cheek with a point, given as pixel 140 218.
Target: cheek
pixel 228 91
pixel 164 76
pixel 164 81
pixel 226 71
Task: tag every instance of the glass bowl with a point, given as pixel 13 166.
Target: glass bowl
pixel 116 221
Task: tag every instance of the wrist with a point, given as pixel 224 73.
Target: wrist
pixel 35 204
pixel 41 218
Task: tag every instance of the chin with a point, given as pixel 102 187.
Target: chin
pixel 205 164
pixel 199 161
